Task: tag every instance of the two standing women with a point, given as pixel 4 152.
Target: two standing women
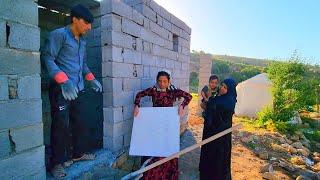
pixel 215 159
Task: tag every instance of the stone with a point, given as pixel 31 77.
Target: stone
pixel 297 160
pixel 267 168
pixel 297 145
pixel 263 155
pixel 278 148
pixel 269 176
pixel 304 151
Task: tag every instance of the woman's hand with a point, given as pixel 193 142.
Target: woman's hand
pixel 181 111
pixel 136 111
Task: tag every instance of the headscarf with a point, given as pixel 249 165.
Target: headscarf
pixel 227 101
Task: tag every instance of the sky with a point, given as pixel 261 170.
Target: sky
pixel 267 29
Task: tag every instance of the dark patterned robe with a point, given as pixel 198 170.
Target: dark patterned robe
pixel 170 169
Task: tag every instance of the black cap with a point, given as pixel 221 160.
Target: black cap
pixel 79 11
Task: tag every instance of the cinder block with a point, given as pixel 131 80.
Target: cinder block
pixel 113 143
pixel 114 69
pixel 4 143
pixel 148 59
pixel 131 84
pixel 147 35
pixel 4 92
pixel 116 38
pixel 20 11
pixel 169 63
pixel 139 45
pixel 131 27
pixel 113 115
pixel 24 165
pixel 185 66
pixel 111 22
pixel 137 17
pixel 116 7
pixel 146 71
pixel 128 112
pixel 29 87
pixel 131 56
pixel 168 45
pixel 163 33
pixel 146 11
pixel 19 62
pixel 112 84
pixel 153 72
pixel 160 62
pixel 117 129
pixel 117 99
pixel 184 58
pixel 177 65
pixel 165 14
pixel 34 134
pixel 167 25
pixel 20 113
pixel 148 82
pixel 155 7
pixel 175 30
pixel 159 51
pixel 3 38
pixel 112 53
pixel 185 51
pixel 159 20
pixel 24 37
pixel 183 42
pixel 147 47
pixel 146 23
pixel 127 139
pixel 185 35
pixel 176 21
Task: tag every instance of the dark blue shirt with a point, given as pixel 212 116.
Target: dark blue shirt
pixel 63 52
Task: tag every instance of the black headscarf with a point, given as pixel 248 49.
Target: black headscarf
pixel 228 100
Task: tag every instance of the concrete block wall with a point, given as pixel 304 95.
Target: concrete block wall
pixel 205 66
pixel 21 128
pixel 138 39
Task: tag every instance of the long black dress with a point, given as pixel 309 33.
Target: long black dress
pixel 215 159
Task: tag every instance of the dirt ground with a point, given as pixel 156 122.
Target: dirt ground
pixel 245 163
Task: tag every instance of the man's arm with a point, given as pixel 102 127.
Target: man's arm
pixel 49 54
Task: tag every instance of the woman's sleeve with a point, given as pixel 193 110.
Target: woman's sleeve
pixel 187 97
pixel 141 94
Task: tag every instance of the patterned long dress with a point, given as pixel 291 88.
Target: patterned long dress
pixel 170 169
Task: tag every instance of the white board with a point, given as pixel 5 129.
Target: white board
pixel 155 132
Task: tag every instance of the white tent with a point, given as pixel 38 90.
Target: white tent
pixel 253 95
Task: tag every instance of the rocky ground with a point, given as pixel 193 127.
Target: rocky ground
pixel 256 154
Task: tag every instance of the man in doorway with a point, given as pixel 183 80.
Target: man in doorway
pixel 64 55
